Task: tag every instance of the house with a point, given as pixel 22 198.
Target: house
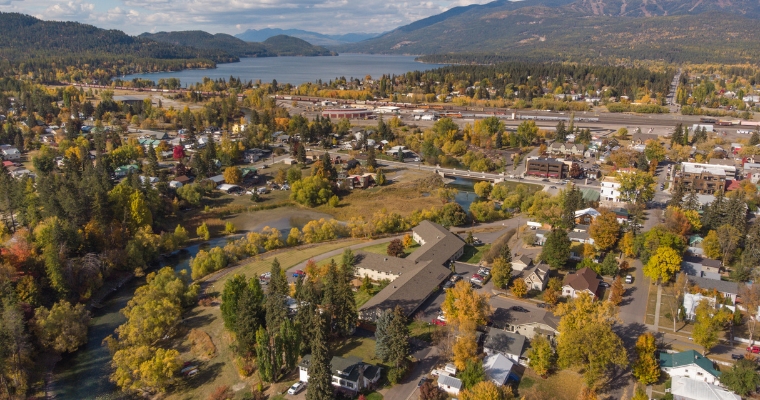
pixel 217 179
pixel 621 214
pixel 546 168
pixel 124 170
pixel 701 267
pixel 567 149
pixel 449 384
pixel 521 263
pixel 498 369
pixel 230 189
pixel 11 154
pixel 580 237
pixel 639 138
pixel 704 178
pixel 510 344
pixel 690 364
pixel 536 277
pixel 349 374
pixel 584 280
pixel 683 388
pixel 541 236
pixel 691 301
pixel 586 216
pixel 530 324
pixel 729 290
pixel 609 194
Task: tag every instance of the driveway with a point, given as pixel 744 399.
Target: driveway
pixel 427 359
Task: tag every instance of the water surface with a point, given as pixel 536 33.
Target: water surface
pixel 298 70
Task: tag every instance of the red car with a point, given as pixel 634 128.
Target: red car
pixel 298 273
pixel 754 349
pixel 439 322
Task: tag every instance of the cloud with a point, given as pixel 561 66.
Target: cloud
pixel 232 16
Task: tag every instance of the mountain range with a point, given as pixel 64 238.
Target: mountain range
pixel 278 45
pixel 315 38
pixel 594 31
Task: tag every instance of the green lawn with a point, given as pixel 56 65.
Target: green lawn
pixel 422 330
pixel 361 347
pixel 361 297
pixel 473 254
pixel 563 385
pixel 382 248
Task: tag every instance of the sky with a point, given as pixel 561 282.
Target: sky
pixel 236 16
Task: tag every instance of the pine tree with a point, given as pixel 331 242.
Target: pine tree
pixel 301 155
pixel 677 195
pixel 642 163
pixel 276 311
pixel 677 137
pixel 561 134
pixel 691 203
pixel 736 213
pixel 382 335
pixel 251 316
pixel 685 140
pixel 715 214
pixel 263 356
pixel 398 338
pixel 371 160
pixel 320 378
pixel 290 333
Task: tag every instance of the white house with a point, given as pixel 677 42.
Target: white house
pixel 498 368
pixel 684 388
pixel 11 154
pixel 449 384
pixel 347 373
pixel 536 277
pixel 690 364
pixel 610 190
pixel 585 280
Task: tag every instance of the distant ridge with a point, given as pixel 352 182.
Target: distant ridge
pixel 315 38
pixel 280 45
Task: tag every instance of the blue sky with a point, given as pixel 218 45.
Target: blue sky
pixel 235 16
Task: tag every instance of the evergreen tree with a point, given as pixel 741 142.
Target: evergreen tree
pixel 330 172
pixel 371 161
pixel 398 337
pixel 499 140
pixel 251 316
pixel 320 378
pixel 677 137
pixel 715 214
pixel 691 203
pixel 677 195
pixel 231 293
pixel 263 359
pixel 561 134
pixel 642 163
pixel 276 310
pixel 736 213
pixel 685 140
pixel 152 161
pixel 290 333
pixel 556 250
pixel 382 335
pixel 301 155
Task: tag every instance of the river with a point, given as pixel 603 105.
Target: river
pixel 298 70
pixel 84 374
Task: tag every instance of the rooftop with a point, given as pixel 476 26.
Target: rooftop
pixel 687 357
pixel 440 244
pixel 410 289
pixel 505 342
pixel 721 286
pixel 683 387
pixel 384 263
pixel 584 279
pixel 502 317
pixel 446 380
pixel 497 368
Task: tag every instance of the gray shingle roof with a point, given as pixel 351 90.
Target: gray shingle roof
pixel 502 317
pixel 409 290
pixel 505 342
pixel 384 263
pixel 721 286
pixel 440 244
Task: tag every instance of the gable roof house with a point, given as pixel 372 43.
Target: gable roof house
pixel 568 149
pixel 586 216
pixel 530 324
pixel 729 290
pixel 348 374
pixel 684 388
pixel 522 262
pixel 507 343
pixel 449 384
pixel 642 138
pixel 690 364
pixel 498 368
pixel 701 267
pixel 536 277
pixel 584 280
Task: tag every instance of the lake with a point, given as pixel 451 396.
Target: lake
pixel 298 70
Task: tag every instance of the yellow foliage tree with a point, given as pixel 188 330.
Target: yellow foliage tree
pixel 408 241
pixel 465 309
pixel 665 263
pixel 711 245
pixel 627 244
pixel 233 175
pixel 646 368
pixel 519 288
pixel 465 349
pixel 605 230
pixel 487 390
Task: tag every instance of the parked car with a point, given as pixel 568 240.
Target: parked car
pixel 737 356
pixel 754 349
pixel 604 284
pixel 266 275
pixel 519 309
pixel 296 388
pixel 441 317
pixel 628 279
pixel 541 305
pixel 448 285
pixel 478 279
pixel 421 382
pixel 456 278
pixel 439 322
pixel 484 272
pixel 298 273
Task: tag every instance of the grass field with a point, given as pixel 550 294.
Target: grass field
pixel 563 385
pixel 473 254
pixel 382 248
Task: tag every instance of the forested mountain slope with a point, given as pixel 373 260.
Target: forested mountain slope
pixel 610 31
pixel 280 45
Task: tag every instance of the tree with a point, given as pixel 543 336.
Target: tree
pixel 430 391
pixel 233 175
pixel 519 288
pixel 294 174
pixel 380 178
pixel 663 264
pixel 382 334
pixel 483 189
pixel 654 151
pixel 541 355
pixel 203 232
pixel 264 356
pixel 465 349
pixel 676 290
pixel 553 291
pixel 311 191
pixel 711 245
pixel 397 336
pixel 395 248
pixel 729 239
pixel 627 244
pixel 636 187
pixel 587 339
pixel 144 368
pixel 63 328
pixel 646 368
pixel 501 272
pixel 556 250
pixel 750 295
pixel 320 376
pixel 708 322
pixel 276 311
pixel 472 374
pixel 465 309
pixel 371 160
pixel 617 291
pixel 605 230
pixel 408 241
pixel 742 378
pixel 294 237
pixel 609 265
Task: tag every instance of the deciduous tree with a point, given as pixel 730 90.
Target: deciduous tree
pixel 665 263
pixel 63 328
pixel 395 248
pixel 465 308
pixel 742 378
pixel 465 349
pixel 708 322
pixel 541 355
pixel 636 187
pixel 646 368
pixel 501 272
pixel 473 373
pixel 605 230
pixel 232 175
pixel 519 288
pixel 617 291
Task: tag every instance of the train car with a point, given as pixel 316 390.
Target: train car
pixel 707 120
pixel 724 123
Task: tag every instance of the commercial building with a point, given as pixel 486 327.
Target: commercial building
pixel 349 113
pixel 705 178
pixel 547 168
pixel 610 191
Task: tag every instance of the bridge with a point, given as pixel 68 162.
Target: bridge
pixel 475 176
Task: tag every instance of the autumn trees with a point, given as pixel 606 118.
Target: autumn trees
pixel 646 368
pixel 605 230
pixel 663 265
pixel 392 345
pixel 465 309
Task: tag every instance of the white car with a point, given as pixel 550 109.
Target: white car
pixel 628 279
pixel 296 388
